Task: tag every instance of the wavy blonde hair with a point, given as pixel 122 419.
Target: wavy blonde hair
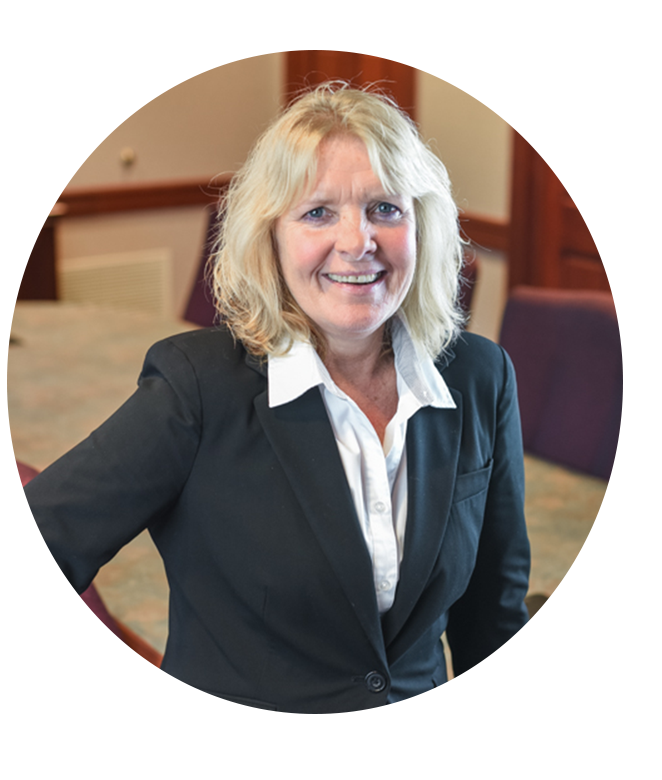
pixel 250 294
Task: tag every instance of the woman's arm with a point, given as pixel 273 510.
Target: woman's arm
pixel 125 475
pixel 492 608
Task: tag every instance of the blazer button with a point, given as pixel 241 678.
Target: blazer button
pixel 375 682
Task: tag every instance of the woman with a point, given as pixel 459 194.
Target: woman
pixel 333 477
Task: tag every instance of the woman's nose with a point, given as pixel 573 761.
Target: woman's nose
pixel 355 237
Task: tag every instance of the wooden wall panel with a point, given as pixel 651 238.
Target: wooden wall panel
pixel 39 278
pixel 140 196
pixel 579 272
pixel 309 68
pixel 550 244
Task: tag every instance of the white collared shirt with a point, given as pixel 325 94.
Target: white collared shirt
pixel 377 475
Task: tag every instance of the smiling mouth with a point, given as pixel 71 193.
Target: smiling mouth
pixel 355 279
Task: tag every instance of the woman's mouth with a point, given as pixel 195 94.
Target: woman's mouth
pixel 355 278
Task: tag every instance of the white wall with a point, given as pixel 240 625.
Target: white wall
pixel 473 142
pixel 476 147
pixel 200 128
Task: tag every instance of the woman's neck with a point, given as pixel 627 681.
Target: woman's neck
pixel 366 373
pixel 360 359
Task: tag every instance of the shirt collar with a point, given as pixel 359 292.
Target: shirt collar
pixel 293 374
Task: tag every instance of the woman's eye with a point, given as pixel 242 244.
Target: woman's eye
pixel 386 209
pixel 316 213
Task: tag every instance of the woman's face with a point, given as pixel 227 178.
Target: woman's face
pixel 348 250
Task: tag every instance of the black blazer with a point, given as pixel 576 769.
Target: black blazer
pixel 272 601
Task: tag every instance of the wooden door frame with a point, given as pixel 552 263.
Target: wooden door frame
pixel 307 68
pixel 550 245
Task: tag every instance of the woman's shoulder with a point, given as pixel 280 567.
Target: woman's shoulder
pixel 202 343
pixel 472 348
pixel 210 354
pixel 474 358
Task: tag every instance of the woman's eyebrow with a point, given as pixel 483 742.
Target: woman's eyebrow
pixel 323 198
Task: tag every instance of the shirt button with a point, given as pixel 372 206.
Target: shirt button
pixel 385 585
pixel 380 507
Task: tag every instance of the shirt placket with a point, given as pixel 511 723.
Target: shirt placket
pixel 379 512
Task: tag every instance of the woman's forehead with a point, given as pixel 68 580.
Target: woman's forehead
pixel 343 154
pixel 309 162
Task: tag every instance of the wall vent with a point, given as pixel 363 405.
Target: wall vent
pixel 125 280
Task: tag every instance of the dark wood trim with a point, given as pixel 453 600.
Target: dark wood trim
pixel 486 232
pixel 86 201
pixel 550 244
pixel 39 280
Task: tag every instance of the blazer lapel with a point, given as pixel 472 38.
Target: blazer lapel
pixel 302 437
pixel 433 446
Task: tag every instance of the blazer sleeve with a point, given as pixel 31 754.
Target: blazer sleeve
pixel 492 608
pixel 126 474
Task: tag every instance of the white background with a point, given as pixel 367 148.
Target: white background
pixel 576 693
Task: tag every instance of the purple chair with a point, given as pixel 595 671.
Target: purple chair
pixel 200 308
pixel 468 278
pixel 566 348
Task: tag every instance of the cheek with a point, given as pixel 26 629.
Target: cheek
pixel 403 251
pixel 406 265
pixel 299 257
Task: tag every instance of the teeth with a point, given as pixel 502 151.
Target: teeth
pixel 365 279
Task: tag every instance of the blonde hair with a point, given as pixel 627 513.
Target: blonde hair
pixel 250 293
